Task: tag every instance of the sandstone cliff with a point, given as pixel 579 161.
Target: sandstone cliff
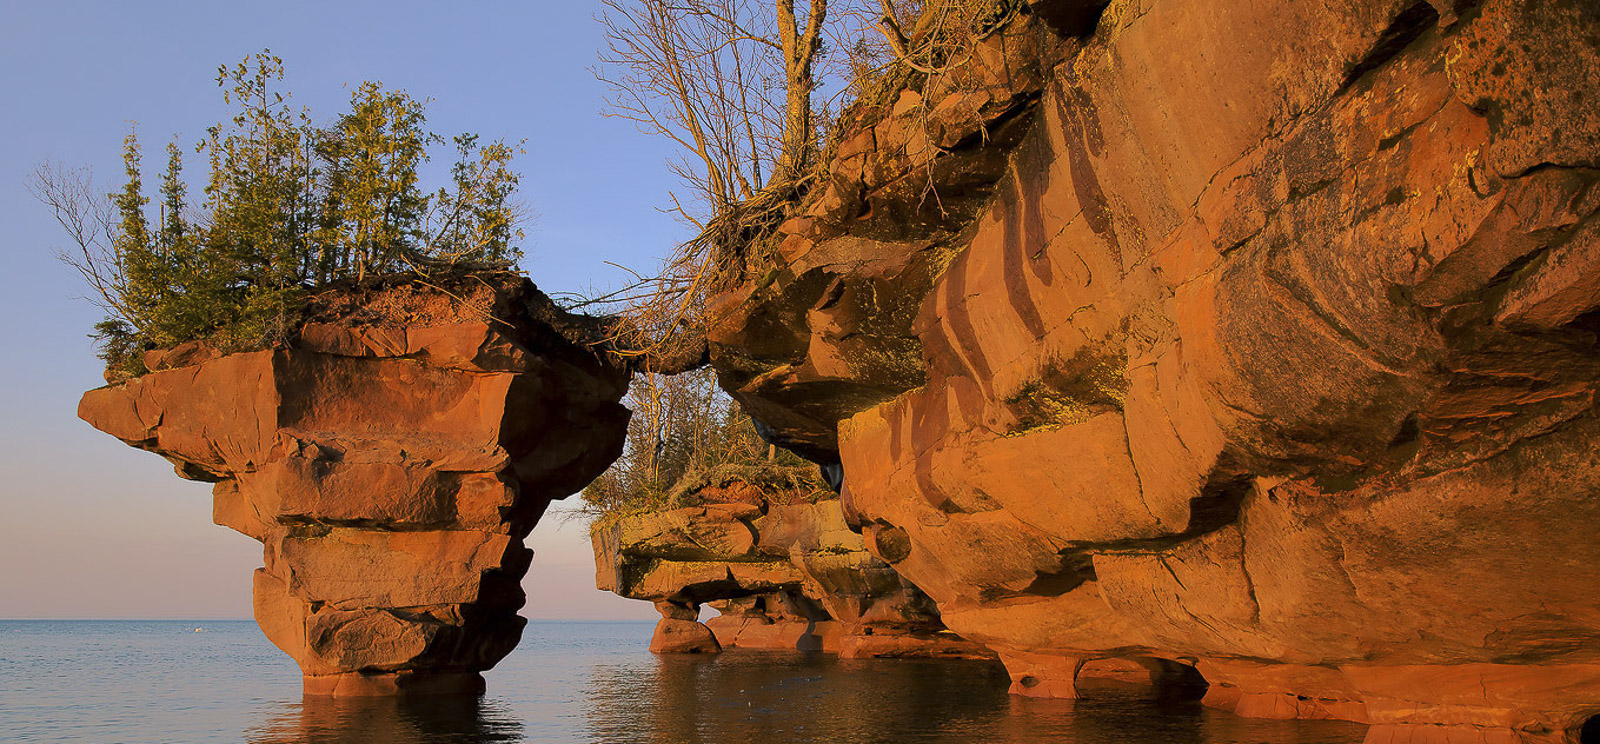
pixel 1247 341
pixel 391 460
pixel 780 565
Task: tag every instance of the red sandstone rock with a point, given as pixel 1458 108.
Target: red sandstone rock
pixel 683 637
pixel 909 644
pixel 391 469
pixel 784 573
pixel 1270 361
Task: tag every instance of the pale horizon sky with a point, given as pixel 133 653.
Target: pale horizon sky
pixel 91 528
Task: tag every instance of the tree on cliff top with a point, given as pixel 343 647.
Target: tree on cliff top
pixel 685 430
pixel 748 91
pixel 289 205
pixel 741 87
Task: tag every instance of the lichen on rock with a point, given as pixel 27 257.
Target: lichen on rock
pixel 1262 345
pixel 782 568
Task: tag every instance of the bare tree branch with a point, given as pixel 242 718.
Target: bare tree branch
pixel 86 217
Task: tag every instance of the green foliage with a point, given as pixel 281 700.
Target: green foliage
pixel 478 218
pixel 289 205
pixel 684 432
pixel 781 478
pixel 119 347
pixel 373 217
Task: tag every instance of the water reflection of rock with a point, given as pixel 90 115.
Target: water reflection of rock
pixel 756 697
pixel 752 697
pixel 422 720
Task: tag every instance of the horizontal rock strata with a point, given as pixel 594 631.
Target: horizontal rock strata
pixel 391 460
pixel 782 569
pixel 1254 338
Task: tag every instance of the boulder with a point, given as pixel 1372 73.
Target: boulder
pixel 675 636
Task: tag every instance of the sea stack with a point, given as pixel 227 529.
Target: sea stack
pixel 391 457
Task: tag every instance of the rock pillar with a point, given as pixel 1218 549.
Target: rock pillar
pixel 391 460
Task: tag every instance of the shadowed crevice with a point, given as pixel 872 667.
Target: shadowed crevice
pixel 1406 27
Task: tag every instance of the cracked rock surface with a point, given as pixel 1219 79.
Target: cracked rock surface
pixel 782 568
pixel 391 460
pixel 1256 338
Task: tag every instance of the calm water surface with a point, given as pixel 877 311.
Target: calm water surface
pixel 128 682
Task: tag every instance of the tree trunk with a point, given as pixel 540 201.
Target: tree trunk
pixel 799 52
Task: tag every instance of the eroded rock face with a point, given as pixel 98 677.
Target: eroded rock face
pixel 391 461
pixel 1272 356
pixel 782 569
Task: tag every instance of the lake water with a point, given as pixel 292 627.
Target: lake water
pixel 128 682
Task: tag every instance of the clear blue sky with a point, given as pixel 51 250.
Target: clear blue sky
pixel 92 528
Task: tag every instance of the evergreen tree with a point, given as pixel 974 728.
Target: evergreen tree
pixel 173 192
pixel 288 206
pixel 144 276
pixel 478 218
pixel 371 157
pixel 197 300
pixel 260 169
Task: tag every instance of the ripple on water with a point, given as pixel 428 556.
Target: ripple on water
pixel 147 682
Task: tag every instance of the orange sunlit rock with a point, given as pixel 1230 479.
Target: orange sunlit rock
pixel 1249 340
pixel 391 460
